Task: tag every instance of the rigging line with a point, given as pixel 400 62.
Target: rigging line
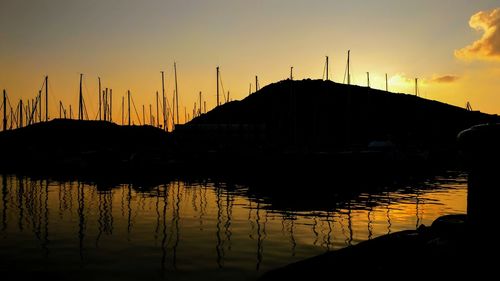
pixel 222 86
pixel 54 98
pixel 14 116
pixel 135 109
pixel 85 108
pixel 90 96
pixel 33 109
pixel 43 84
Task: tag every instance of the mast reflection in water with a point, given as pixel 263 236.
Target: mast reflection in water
pixel 191 230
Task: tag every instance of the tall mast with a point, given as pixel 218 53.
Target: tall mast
pixel 416 87
pixel 39 105
pixel 46 98
pixel 128 92
pixel 123 110
pixel 80 100
pixel 110 105
pixel 157 112
pixel 368 79
pixel 20 113
pixel 4 110
pixel 150 116
pixel 348 67
pixel 327 78
pixel 105 104
pixel 164 101
pixel 176 93
pixel 256 83
pixel 291 72
pixel 173 110
pixel 200 104
pixel 100 116
pixel 386 84
pixel 217 86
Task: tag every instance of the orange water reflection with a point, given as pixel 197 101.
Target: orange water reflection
pixel 191 229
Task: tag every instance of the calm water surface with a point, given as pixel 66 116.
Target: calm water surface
pixel 192 230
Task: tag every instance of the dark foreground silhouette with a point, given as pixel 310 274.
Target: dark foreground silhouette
pixel 454 246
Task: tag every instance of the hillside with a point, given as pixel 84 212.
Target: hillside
pixel 63 145
pixel 323 116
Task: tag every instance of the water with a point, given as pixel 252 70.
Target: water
pixel 192 230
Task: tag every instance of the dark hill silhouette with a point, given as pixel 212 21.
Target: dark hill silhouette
pixel 73 146
pixel 323 116
pixel 296 126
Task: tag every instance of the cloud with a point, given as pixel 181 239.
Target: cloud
pixel 445 79
pixel 488 46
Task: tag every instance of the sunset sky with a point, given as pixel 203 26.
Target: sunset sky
pixel 452 46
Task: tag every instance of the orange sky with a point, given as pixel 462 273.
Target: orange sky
pixel 452 46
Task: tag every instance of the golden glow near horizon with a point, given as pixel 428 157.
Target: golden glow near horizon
pixel 453 47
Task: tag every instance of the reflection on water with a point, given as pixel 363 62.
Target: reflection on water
pixel 185 230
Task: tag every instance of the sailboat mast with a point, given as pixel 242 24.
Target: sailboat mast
pixel 416 87
pixel 110 105
pixel 348 67
pixel 164 101
pixel 176 93
pixel 80 100
pixel 99 95
pixel 4 110
pixel 327 77
pixel 46 98
pixel 199 113
pixel 150 116
pixel 217 86
pixel 386 84
pixel 157 112
pixel 39 105
pixel 123 112
pixel 128 92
